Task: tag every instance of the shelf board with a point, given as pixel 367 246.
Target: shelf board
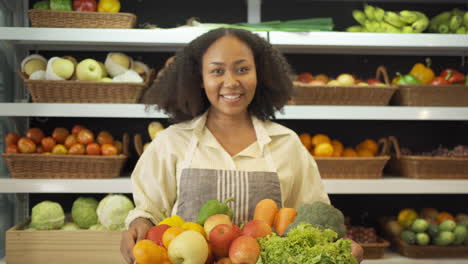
pixel 370 43
pixel 173 39
pixel 392 258
pixel 102 39
pixel 123 185
pixel 290 112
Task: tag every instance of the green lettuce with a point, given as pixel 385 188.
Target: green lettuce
pixel 306 244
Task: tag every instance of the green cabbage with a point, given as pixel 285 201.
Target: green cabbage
pixel 70 226
pixel 97 227
pixel 306 244
pixel 112 211
pixel 84 212
pixel 47 215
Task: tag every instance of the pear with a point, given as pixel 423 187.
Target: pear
pixel 38 75
pixel 59 69
pixel 154 128
pixel 128 76
pixel 33 63
pixel 141 69
pixel 117 63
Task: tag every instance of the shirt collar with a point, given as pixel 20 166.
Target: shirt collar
pixel 264 130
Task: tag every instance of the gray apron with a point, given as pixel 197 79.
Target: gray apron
pixel 196 186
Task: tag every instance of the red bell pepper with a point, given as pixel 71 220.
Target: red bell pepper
pixel 85 5
pixel 439 80
pixel 453 76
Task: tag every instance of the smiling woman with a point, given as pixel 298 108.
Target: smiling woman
pixel 222 90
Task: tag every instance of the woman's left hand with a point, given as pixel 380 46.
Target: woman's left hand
pixel 357 251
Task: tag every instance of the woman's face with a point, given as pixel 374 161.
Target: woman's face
pixel 229 76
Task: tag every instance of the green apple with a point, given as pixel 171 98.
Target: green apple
pixel 345 79
pixel 88 70
pixel 103 68
pixel 63 67
pixel 106 79
pixel 189 247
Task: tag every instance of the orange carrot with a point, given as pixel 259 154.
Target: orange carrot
pixel 284 217
pixel 266 211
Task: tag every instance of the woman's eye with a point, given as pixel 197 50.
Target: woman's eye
pixel 217 71
pixel 243 69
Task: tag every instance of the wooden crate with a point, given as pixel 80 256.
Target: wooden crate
pixel 59 246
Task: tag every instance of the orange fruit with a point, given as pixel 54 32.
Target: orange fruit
pixel 442 216
pixel 170 234
pixel 337 148
pixel 369 144
pixel 195 227
pixel 320 138
pixel 364 153
pixel 306 140
pixel 349 152
pixel 323 150
pixel 148 252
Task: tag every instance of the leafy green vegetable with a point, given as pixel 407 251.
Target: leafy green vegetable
pixel 84 212
pixel 306 244
pixel 47 215
pixel 112 211
pixel 320 215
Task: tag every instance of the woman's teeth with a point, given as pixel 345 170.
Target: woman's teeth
pixel 231 96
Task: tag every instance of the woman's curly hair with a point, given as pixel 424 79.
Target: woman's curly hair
pixel 179 93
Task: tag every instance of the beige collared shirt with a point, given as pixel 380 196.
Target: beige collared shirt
pixel 157 172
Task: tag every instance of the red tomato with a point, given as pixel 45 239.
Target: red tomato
pixel 60 134
pixel 76 129
pixel 93 149
pixel 70 141
pixel 305 77
pixel 48 143
pixel 108 150
pixel 85 136
pixel 12 148
pixel 35 134
pixel 155 233
pixel 105 137
pixel 85 5
pixel 12 138
pixel 26 145
pixel 77 149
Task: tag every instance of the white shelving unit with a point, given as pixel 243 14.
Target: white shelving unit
pixel 158 40
pixel 290 112
pixel 387 185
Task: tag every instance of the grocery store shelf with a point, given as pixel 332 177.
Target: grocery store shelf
pixel 391 258
pixel 370 43
pixel 102 39
pixel 290 112
pixel 123 185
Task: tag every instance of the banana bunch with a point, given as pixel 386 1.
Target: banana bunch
pixel 455 21
pixel 375 19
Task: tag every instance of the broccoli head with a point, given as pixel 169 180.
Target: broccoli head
pixel 320 215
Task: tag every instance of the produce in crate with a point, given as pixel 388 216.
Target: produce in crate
pixel 109 6
pixel 33 63
pixel 47 215
pixel 454 21
pixel 117 63
pixel 84 212
pixel 112 211
pixel 85 5
pixel 89 70
pixel 70 226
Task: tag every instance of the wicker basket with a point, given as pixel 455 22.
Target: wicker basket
pixel 430 251
pixel 344 95
pixel 76 19
pixel 375 250
pixel 431 95
pixel 422 167
pixel 50 166
pixel 351 168
pixel 46 91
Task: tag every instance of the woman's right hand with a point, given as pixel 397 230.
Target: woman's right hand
pixel 136 232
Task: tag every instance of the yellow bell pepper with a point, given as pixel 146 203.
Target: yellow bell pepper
pixel 174 221
pixel 109 6
pixel 422 72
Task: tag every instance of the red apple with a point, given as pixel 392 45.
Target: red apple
pixel 155 233
pixel 305 77
pixel 256 228
pixel 221 237
pixel 215 220
pixel 373 81
pixel 245 250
